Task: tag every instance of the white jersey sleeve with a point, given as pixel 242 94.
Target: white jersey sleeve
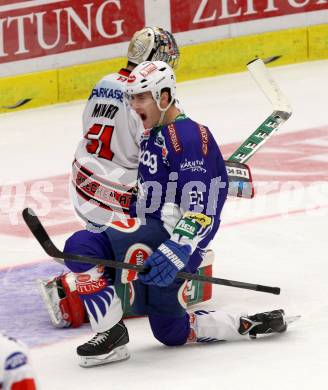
pixel 106 159
pixel 15 368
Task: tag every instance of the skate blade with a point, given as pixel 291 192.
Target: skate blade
pixel 119 353
pixel 290 319
pixel 57 320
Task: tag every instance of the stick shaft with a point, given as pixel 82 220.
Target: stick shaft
pixel 45 241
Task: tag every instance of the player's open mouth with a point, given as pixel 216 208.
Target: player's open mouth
pixel 143 117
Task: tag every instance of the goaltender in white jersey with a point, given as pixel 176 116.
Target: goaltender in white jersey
pixel 16 372
pixel 106 160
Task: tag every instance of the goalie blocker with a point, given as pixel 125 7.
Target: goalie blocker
pixel 66 309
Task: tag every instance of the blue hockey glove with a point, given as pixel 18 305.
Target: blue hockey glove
pixel 162 266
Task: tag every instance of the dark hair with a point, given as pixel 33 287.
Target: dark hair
pixel 168 90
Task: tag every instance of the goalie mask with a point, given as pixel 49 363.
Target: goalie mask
pixel 152 76
pixel 153 43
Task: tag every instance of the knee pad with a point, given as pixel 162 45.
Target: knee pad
pixel 90 244
pixel 170 331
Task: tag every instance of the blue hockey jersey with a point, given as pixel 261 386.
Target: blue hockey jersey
pixel 182 181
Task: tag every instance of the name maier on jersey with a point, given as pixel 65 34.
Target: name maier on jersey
pixel 106 160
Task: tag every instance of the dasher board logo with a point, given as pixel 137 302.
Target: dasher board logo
pixel 203 14
pixel 41 28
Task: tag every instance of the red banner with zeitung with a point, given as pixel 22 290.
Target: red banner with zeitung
pixel 198 14
pixel 30 29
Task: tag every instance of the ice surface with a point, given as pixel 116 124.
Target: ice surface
pixel 278 239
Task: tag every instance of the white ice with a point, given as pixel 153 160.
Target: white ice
pixel 277 240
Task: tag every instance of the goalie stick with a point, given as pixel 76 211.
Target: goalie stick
pixel 39 232
pixel 281 112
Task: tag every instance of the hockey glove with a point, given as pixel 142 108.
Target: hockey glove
pixel 163 265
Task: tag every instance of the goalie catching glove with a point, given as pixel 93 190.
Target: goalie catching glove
pixel 163 265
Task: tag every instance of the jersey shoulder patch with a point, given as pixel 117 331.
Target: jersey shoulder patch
pixel 204 138
pixel 185 134
pixel 174 138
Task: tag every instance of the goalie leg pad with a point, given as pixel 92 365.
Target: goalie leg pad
pixel 100 299
pixel 62 301
pixel 71 305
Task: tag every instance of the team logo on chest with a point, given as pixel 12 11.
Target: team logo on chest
pixel 149 160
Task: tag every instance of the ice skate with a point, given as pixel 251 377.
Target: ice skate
pixel 105 347
pixel 263 323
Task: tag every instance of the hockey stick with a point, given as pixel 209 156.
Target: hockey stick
pixel 17 104
pixel 281 112
pixel 268 60
pixel 39 232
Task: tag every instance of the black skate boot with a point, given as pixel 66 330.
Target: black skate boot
pixel 105 347
pixel 263 323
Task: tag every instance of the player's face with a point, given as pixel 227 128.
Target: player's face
pixel 146 107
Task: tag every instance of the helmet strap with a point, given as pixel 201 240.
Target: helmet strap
pixel 163 111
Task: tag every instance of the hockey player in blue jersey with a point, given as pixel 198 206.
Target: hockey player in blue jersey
pixel 182 187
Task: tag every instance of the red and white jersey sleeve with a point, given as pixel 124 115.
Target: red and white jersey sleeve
pixel 16 372
pixel 106 159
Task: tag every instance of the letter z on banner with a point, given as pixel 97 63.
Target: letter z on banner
pixel 197 14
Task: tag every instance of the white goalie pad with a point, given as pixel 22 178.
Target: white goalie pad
pixel 49 293
pixel 62 301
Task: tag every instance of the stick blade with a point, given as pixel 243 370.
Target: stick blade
pixel 268 60
pixel 20 103
pixel 38 231
pixel 270 88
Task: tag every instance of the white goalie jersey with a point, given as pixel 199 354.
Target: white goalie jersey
pixel 106 160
